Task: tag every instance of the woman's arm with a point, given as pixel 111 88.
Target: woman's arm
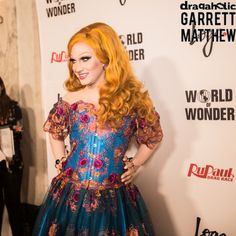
pixel 58 150
pixel 142 155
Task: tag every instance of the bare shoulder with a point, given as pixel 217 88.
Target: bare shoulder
pixel 71 97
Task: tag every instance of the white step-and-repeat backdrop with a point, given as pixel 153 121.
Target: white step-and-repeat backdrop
pixel 184 52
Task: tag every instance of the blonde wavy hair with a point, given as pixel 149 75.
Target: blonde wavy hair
pixel 121 94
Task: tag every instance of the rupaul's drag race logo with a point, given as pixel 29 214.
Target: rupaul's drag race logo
pixel 59 57
pixel 133 44
pixel 59 7
pixel 202 105
pixel 210 23
pixel 205 232
pixel 210 172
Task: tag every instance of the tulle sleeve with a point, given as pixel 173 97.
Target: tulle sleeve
pixel 148 134
pixel 58 121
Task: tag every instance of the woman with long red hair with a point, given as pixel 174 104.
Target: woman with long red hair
pixel 105 106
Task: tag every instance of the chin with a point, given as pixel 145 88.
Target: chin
pixel 84 83
pixel 88 83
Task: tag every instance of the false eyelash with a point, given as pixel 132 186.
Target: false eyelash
pixel 85 58
pixel 72 60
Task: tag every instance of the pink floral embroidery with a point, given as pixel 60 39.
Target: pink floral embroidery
pixel 83 162
pixel 84 118
pixel 63 164
pixel 74 106
pixel 112 178
pixel 76 196
pixel 69 172
pixel 149 134
pixel 58 123
pixel 94 204
pixel 98 163
pixel 60 110
pixel 142 123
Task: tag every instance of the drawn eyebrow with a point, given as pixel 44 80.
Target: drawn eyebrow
pixel 82 54
pixel 85 56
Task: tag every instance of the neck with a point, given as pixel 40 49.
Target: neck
pixel 91 94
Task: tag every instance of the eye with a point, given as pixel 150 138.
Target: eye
pixel 85 58
pixel 72 60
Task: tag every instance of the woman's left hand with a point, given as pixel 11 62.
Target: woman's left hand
pixel 131 169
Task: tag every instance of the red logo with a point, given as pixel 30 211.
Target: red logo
pixel 210 172
pixel 59 57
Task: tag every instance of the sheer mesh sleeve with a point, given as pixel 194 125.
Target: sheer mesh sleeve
pixel 58 121
pixel 148 134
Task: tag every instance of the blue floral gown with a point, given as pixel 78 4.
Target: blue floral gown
pixel 88 198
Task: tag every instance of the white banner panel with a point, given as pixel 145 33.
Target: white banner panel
pixel 184 52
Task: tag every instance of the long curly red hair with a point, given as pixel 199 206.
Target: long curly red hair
pixel 122 94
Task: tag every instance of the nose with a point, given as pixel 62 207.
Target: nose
pixel 77 67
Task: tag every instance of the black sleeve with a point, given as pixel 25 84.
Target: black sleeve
pixel 18 113
pixel 15 113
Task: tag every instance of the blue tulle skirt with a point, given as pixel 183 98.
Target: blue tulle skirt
pixel 71 209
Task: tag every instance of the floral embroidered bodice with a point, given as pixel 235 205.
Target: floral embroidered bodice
pixel 87 197
pixel 97 151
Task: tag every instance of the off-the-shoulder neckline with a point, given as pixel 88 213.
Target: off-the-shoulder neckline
pixel 80 101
